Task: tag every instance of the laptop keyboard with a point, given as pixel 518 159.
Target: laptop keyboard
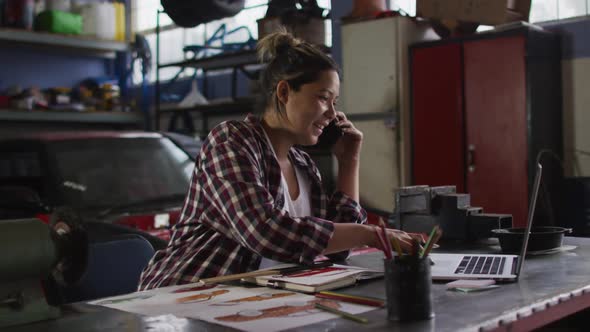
pixel 481 265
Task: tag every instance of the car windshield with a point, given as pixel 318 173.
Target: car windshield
pixel 106 172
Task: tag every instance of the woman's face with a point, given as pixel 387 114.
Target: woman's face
pixel 312 108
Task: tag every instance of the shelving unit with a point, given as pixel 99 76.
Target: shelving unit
pixel 221 61
pixel 97 47
pixel 71 45
pixel 79 45
pixel 122 118
pixel 227 106
pixel 245 61
pixel 232 105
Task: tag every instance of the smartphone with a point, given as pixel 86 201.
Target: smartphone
pixel 329 136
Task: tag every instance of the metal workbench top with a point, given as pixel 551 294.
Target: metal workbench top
pixel 550 287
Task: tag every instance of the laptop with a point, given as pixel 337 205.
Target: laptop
pixel 482 266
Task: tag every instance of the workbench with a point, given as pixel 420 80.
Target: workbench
pixel 550 288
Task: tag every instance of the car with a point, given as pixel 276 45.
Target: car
pixel 192 145
pixel 113 180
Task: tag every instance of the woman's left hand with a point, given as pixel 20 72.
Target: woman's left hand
pixel 348 147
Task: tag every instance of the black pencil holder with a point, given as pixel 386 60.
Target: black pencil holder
pixel 407 286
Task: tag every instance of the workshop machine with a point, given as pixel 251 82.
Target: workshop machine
pixel 419 208
pixel 31 251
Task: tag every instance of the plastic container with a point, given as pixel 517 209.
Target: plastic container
pixel 120 21
pixel 59 22
pixel 61 5
pixel 19 14
pixel 99 20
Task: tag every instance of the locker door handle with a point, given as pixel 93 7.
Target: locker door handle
pixel 471 158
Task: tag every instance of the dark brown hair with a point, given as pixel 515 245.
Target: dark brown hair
pixel 289 59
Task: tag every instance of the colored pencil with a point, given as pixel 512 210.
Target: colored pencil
pixel 430 245
pixel 429 241
pixel 415 249
pixel 397 246
pixel 260 273
pixel 239 276
pixel 351 299
pixel 350 295
pixel 385 238
pixel 342 314
pixel 393 241
pixel 382 243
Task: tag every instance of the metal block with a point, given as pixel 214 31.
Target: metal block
pixel 414 199
pixel 417 223
pixel 450 202
pixel 442 190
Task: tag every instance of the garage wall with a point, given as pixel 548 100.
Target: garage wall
pixel 44 67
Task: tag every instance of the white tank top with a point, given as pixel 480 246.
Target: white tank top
pixel 300 207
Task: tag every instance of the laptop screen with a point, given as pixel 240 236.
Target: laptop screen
pixel 529 223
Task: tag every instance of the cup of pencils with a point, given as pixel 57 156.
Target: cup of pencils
pixel 407 282
pixel 407 288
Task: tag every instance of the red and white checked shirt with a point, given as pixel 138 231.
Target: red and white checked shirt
pixel 232 215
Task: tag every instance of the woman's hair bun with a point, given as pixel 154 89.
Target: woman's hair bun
pixel 274 44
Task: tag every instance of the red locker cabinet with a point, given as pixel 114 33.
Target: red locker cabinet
pixel 483 107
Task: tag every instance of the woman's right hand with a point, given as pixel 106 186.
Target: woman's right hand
pixel 348 147
pixel 403 238
pixel 348 235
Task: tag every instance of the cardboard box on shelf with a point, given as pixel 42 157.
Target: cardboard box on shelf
pixel 488 12
pixel 310 29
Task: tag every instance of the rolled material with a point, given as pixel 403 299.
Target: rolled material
pixel 28 249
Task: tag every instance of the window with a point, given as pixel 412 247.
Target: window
pixel 549 10
pixel 541 10
pixel 173 39
pixel 408 6
pixel 105 172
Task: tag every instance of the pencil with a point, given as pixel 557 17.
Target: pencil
pixel 415 249
pixel 397 247
pixel 342 314
pixel 350 298
pixel 260 273
pixel 437 237
pixel 429 242
pixel 382 243
pixel 231 277
pixel 350 295
pixel 385 237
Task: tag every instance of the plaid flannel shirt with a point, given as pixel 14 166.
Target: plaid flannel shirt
pixel 232 215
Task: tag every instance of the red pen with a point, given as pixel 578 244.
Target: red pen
pixel 382 243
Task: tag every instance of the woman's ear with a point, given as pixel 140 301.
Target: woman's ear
pixel 283 91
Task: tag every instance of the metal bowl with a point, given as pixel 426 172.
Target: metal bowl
pixel 541 238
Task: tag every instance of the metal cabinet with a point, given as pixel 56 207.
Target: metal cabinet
pixel 484 108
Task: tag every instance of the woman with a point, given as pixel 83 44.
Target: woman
pixel 255 198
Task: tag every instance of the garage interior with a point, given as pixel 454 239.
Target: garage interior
pixel 105 105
